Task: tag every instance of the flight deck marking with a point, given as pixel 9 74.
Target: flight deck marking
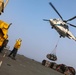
pixel 0 63
pixel 2 59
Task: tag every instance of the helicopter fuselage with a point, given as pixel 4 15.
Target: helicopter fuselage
pixel 62 28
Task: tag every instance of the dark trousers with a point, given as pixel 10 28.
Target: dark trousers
pixel 1 48
pixel 13 52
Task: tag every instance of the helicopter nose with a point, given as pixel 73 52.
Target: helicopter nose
pixel 51 21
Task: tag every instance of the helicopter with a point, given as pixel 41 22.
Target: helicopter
pixel 61 26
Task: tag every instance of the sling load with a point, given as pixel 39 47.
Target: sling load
pixel 52 56
pixel 3 5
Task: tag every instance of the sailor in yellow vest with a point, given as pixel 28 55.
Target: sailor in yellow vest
pixel 15 49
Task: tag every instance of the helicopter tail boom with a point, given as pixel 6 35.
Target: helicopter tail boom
pixel 71 36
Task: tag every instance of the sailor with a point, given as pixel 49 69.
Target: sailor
pixel 15 49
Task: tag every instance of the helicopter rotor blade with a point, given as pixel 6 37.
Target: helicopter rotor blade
pixel 55 10
pixel 71 25
pixel 71 19
pixel 46 20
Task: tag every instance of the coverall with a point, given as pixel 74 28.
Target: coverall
pixel 15 49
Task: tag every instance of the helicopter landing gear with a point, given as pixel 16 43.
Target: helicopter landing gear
pixel 52 27
pixel 60 36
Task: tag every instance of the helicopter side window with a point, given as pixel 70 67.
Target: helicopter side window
pixel 66 26
pixel 58 24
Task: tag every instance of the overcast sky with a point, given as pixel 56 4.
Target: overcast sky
pixel 38 39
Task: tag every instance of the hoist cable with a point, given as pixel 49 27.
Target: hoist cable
pixel 54 50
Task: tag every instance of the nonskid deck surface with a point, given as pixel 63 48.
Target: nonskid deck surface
pixel 23 66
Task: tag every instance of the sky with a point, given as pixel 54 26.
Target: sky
pixel 38 39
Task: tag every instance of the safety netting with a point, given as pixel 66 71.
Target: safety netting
pixel 52 56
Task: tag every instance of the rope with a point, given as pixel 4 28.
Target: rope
pixel 54 50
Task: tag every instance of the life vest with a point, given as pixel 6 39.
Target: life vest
pixel 17 44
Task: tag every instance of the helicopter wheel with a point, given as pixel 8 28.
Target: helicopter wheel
pixel 52 27
pixel 60 36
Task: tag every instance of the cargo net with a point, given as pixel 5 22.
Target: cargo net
pixel 52 56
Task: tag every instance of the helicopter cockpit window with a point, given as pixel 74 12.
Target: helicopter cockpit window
pixel 55 20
